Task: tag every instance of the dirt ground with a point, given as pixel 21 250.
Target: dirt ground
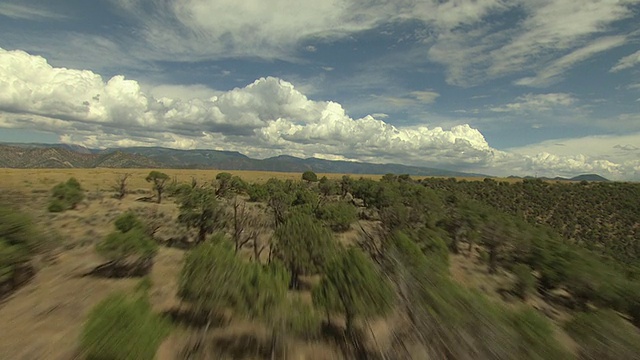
pixel 45 316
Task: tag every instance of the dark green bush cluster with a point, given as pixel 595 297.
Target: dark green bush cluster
pixel 337 215
pixel 455 321
pixel 127 221
pixel 580 212
pixel 65 196
pixel 200 210
pixel 353 287
pixel 301 320
pixel 213 280
pixel 229 184
pixel 328 187
pixel 525 281
pixel 129 242
pixel 309 176
pixel 257 192
pixel 19 241
pixel 304 245
pixel 123 327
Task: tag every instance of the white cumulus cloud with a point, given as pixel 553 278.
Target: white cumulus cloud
pixel 265 118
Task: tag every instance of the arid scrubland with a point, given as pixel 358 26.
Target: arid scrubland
pixel 255 265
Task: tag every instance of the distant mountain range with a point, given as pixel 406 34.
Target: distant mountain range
pixel 44 156
pixel 584 177
pixel 19 155
pixel 35 155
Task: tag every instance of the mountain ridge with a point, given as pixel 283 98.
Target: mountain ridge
pixel 582 177
pixel 37 155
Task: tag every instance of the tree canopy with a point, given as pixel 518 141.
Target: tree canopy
pixel 304 245
pixel 200 210
pixel 353 287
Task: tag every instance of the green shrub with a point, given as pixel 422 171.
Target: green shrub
pixel 337 215
pixel 460 322
pixel 536 337
pixel 309 176
pixel 353 287
pixel 433 245
pixel 263 290
pixel 525 281
pixel 213 280
pixel 73 183
pixel 305 197
pixel 328 187
pixel 123 328
pixel 19 241
pixel 65 196
pixel 119 246
pixel 603 335
pixel 257 192
pixel 56 206
pixel 432 260
pixel 304 245
pixel 128 221
pixel 301 320
pixel 212 277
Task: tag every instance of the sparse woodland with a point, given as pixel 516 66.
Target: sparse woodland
pixel 324 268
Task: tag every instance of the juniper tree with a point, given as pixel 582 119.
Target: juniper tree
pixel 303 245
pixel 353 287
pixel 200 210
pixel 159 180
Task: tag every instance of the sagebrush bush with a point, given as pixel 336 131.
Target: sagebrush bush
pixel 19 241
pixel 128 221
pixel 56 206
pixel 119 246
pixel 123 327
pixel 65 196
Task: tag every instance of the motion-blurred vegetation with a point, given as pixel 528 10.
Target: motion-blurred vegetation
pixel 332 261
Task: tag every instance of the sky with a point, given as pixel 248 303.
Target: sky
pixel 500 87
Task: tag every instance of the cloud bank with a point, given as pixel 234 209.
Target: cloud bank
pixel 265 118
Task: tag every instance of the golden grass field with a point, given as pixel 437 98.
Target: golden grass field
pixel 103 179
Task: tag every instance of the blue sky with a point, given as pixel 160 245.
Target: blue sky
pixel 495 86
